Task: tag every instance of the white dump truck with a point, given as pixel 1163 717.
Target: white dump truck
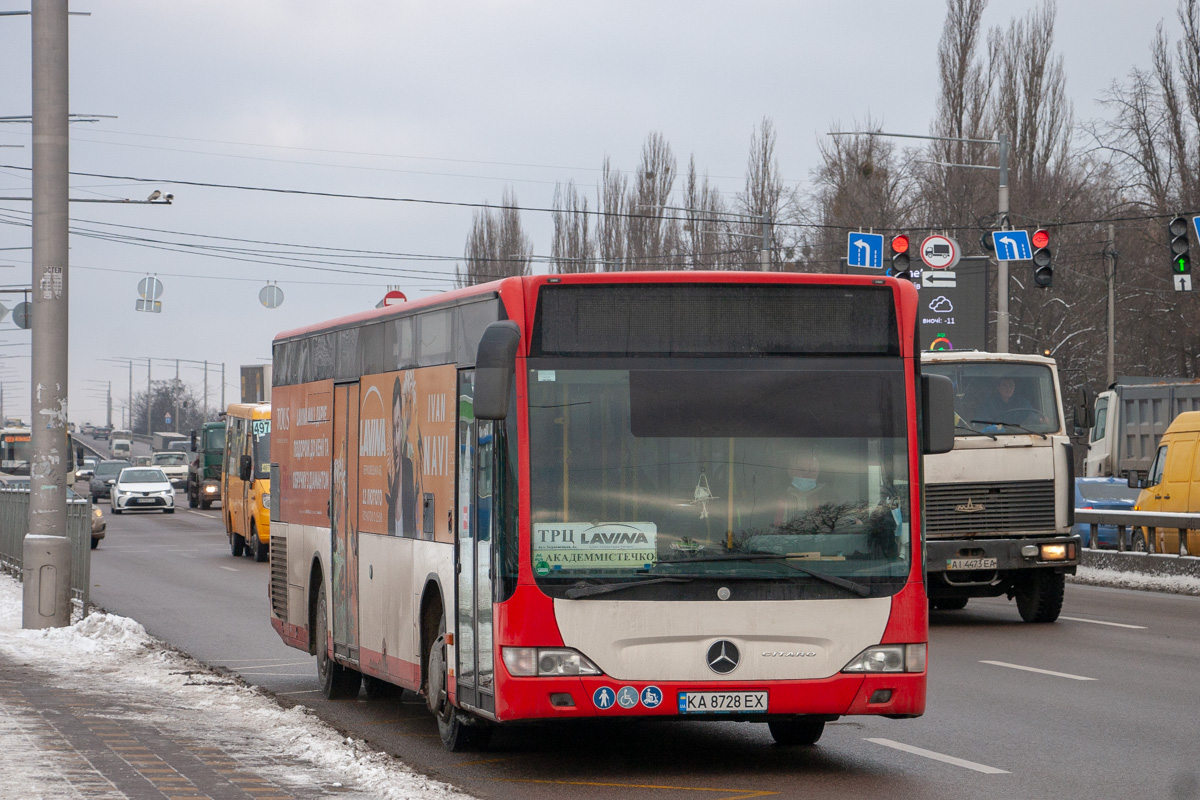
pixel 1000 505
pixel 1129 419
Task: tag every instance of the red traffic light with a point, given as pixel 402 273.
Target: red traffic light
pixel 900 244
pixel 1041 238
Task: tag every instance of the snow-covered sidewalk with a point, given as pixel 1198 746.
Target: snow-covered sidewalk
pixel 81 710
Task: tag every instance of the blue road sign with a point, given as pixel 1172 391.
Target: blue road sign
pixel 1012 245
pixel 627 697
pixel 1196 225
pixel 603 697
pixel 865 250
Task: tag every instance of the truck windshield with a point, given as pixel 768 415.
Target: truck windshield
pixel 690 468
pixel 997 398
pixel 215 439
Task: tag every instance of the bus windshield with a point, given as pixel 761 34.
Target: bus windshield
pixel 15 450
pixel 1000 398
pixel 718 469
pixel 262 448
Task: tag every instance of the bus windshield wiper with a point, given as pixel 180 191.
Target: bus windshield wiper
pixel 853 586
pixel 1008 425
pixel 576 592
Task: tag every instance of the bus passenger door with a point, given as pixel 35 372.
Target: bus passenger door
pixel 473 643
pixel 343 543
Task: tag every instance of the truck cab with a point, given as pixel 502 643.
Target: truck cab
pixel 204 470
pixel 999 507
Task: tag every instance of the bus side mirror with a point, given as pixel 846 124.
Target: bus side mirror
pixel 245 467
pixel 937 412
pixel 495 363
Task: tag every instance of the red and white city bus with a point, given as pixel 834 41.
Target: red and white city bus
pixel 659 494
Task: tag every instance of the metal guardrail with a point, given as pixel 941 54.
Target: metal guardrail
pixel 1151 521
pixel 14 524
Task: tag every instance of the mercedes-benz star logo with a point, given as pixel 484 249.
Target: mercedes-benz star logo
pixel 723 657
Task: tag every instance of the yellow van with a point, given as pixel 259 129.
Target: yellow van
pixel 1173 484
pixel 246 479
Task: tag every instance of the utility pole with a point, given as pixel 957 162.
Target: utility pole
pixel 205 391
pixel 46 549
pixel 223 406
pixel 108 415
pixel 149 397
pixel 176 395
pixel 764 255
pixel 1110 254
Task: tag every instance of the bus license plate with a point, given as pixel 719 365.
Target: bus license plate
pixel 971 563
pixel 722 702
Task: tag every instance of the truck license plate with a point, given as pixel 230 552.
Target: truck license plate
pixel 971 563
pixel 722 702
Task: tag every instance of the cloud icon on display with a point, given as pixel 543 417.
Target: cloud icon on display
pixel 941 305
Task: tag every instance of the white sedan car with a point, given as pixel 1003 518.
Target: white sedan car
pixel 142 489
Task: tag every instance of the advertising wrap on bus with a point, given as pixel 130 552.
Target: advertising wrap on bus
pixel 635 494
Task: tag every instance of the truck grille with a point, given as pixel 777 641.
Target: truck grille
pixel 279 588
pixel 1008 506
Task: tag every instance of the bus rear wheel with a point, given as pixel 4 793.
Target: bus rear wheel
pixel 237 545
pixel 793 731
pixel 458 732
pixel 337 682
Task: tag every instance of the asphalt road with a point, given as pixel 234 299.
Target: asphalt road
pixel 1100 704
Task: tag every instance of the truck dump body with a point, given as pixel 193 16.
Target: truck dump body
pixel 1130 420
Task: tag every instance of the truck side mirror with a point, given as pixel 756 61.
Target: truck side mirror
pixel 1085 412
pixel 1134 479
pixel 937 414
pixel 495 363
pixel 193 440
pixel 245 467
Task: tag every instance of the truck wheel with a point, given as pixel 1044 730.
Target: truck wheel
pixel 205 505
pixel 1040 596
pixel 1139 542
pixel 193 500
pixel 458 732
pixel 950 603
pixel 797 730
pixel 237 544
pixel 337 682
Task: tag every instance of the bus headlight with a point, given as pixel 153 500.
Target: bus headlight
pixel 889 658
pixel 543 661
pixel 266 500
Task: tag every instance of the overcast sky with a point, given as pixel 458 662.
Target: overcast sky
pixel 448 101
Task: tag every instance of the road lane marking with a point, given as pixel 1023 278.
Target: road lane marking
pixel 201 514
pixel 231 569
pixel 1103 622
pixel 958 762
pixel 738 794
pixel 1040 671
pixel 303 691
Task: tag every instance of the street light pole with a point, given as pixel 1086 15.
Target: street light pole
pixel 46 548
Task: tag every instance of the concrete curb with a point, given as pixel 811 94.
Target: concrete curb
pixel 1148 572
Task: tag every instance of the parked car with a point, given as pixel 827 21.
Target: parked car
pixel 142 489
pixel 1103 494
pixel 99 524
pixel 106 472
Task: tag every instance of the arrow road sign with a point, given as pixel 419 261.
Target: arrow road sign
pixel 1183 283
pixel 865 250
pixel 1012 245
pixel 1196 225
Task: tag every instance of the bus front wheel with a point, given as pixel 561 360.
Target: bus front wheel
pixel 796 730
pixel 458 732
pixel 337 682
pixel 257 547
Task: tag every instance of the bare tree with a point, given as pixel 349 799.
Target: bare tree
pixel 611 227
pixel 652 231
pixel 497 246
pixel 573 249
pixel 764 196
pixel 705 235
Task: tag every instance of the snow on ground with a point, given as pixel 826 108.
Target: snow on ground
pixel 1175 584
pixel 114 656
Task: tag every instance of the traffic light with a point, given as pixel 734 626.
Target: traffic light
pixel 899 268
pixel 1043 269
pixel 1181 263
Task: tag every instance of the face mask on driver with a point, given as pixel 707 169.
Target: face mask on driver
pixel 804 484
